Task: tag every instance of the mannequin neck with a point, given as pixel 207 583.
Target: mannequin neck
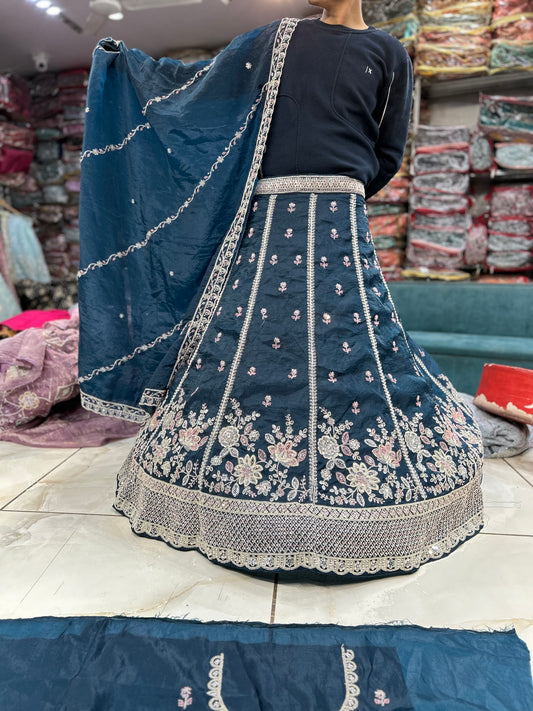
pixel 347 13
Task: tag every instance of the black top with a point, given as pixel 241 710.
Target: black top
pixel 343 105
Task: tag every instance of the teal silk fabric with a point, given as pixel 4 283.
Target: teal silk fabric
pixel 128 664
pixel 170 159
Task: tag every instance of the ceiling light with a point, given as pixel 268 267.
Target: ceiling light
pixel 54 11
pixel 116 16
pixel 44 4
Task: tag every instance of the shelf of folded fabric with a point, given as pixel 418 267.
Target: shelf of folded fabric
pixel 502 83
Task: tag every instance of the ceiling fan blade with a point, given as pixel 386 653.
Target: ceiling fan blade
pixel 151 4
pixel 94 23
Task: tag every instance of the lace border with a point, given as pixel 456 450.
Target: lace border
pixel 113 409
pixel 354 542
pixel 309 184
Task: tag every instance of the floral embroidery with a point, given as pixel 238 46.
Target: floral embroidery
pixel 296 315
pixel 247 470
pixel 190 439
pixel 293 373
pixel 298 259
pixel 331 377
pixel 251 370
pixel 355 408
pixel 274 259
pixel 283 453
pixel 380 698
pixel 346 261
pixel 366 265
pixel 186 697
pixel 28 401
pixel 333 206
pixel 326 318
pixel 238 260
pixel 288 233
pixel 323 262
pixel 376 320
pixel 198 363
pixel 264 314
pixel 334 234
pixel 254 206
pixel 339 290
pixel 418 402
pixel 238 313
pixel 277 343
pixel 346 347
pixel 356 318
pixel 251 258
pixel 235 284
pixel 282 287
pixel 221 366
pixel 248 65
pixel 394 347
pixel 251 232
pixel 292 207
pixel 363 479
pixel 391 378
pixel 368 376
pixel 218 337
pixel 267 401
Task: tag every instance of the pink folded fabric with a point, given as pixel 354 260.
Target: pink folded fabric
pixel 35 318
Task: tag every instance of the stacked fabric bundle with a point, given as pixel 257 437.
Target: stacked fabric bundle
pixel 454 38
pixel 16 136
pixel 512 45
pixel 397 17
pixel 388 219
pixel 439 219
pixel 510 243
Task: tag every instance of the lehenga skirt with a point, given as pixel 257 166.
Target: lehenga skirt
pixel 306 431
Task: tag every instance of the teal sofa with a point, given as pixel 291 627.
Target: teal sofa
pixel 464 325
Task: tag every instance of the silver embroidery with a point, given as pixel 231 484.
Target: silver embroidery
pixel 350 680
pixel 164 97
pixel 310 184
pixel 115 146
pixel 372 336
pixel 313 487
pixel 214 685
pixel 140 349
pixel 113 409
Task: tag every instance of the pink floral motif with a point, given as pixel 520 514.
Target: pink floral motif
pixel 376 320
pixel 323 262
pixel 367 236
pixel 274 259
pixel 385 453
pixel 267 402
pixel 356 318
pixel 190 438
pixel 252 258
pixel 366 265
pixel 355 408
pixel 393 317
pixel 346 261
pixel 218 337
pixel 251 232
pixel 186 697
pixel 391 378
pixel 333 206
pixel 365 210
pixel 251 370
pixel 239 258
pixel 380 698
pixel 376 291
pixel 368 376
pixel 264 314
pixel 326 318
pixel 219 311
pixel 292 207
pixel 363 479
pixel 282 287
pixel 198 363
pixel 418 402
pixel 296 315
pixel 458 416
pixel 394 347
pixel 334 234
pixel 28 400
pixel 248 470
pixel 422 353
pixel 277 343
pixel 451 437
pixel 283 453
pixel 298 259
pixel 235 284
pixel 339 290
pixel 221 366
pixel 254 206
pixel 238 312
pixel 331 377
pixel 293 373
pixel 346 347
pixel 288 233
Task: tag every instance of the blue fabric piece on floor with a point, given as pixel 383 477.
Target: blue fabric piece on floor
pixel 130 663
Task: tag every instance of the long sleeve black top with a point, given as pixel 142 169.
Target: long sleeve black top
pixel 343 105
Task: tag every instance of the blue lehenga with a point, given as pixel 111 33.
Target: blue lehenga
pixel 288 422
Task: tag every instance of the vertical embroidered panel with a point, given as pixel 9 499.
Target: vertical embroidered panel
pixel 214 685
pixel 313 486
pixel 350 680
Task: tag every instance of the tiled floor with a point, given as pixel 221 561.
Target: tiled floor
pixel 64 551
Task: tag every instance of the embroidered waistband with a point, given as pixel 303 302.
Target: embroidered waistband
pixel 309 184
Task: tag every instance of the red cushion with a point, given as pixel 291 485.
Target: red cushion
pixel 506 391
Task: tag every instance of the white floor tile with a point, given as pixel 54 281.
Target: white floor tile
pixel 29 542
pixel 105 569
pixel 488 580
pixel 85 483
pixel 508 499
pixel 21 466
pixel 523 464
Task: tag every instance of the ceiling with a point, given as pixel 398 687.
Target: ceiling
pixel 26 30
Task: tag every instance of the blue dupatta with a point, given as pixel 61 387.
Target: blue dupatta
pixel 170 160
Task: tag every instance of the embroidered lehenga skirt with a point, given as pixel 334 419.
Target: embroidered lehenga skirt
pixel 306 431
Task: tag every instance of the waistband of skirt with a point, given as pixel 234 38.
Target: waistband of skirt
pixel 309 184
